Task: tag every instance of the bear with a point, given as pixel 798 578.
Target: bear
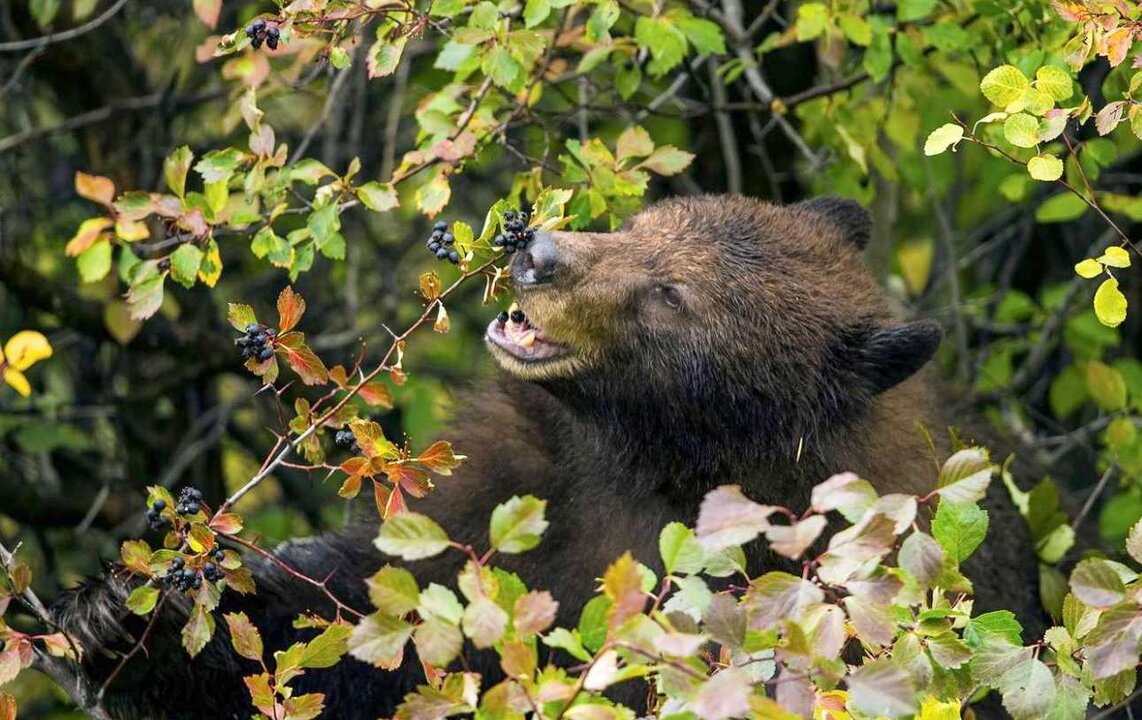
pixel 710 340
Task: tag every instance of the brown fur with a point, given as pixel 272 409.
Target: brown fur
pixel 781 365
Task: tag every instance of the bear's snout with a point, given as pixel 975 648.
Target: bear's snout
pixel 537 265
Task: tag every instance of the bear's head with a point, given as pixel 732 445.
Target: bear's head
pixel 713 315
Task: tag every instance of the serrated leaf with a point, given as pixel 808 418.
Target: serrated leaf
pixel 95 262
pixel 680 550
pixel 198 630
pixel 518 524
pixel 959 528
pixel 240 316
pixel 1004 85
pixel 438 642
pixel 534 612
pixel 378 197
pixel 327 649
pixel 882 688
pixel 291 307
pixel 727 518
pixel 484 622
pixel 185 262
pixel 1054 81
pixel 379 639
pixel 393 590
pixel 175 167
pixel 142 599
pixel 245 638
pixel 95 188
pixel 1096 584
pixel 667 160
pixel 411 536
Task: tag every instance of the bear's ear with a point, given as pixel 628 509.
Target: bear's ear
pixel 849 215
pixel 887 356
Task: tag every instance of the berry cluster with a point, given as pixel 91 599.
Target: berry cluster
pixel 260 31
pixel 517 316
pixel 155 516
pixel 180 577
pixel 440 244
pixel 516 232
pixel 257 343
pixel 189 501
pixel 346 439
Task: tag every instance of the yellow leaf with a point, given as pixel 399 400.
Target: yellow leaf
pixel 1088 268
pixel 933 709
pixel 88 232
pixel 1110 303
pixel 1115 257
pixel 211 268
pixel 16 379
pixel 131 230
pixel 1004 85
pixel 26 348
pixel 1045 168
pixel 942 138
pixel 95 188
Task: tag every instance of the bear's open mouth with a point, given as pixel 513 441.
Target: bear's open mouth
pixel 523 341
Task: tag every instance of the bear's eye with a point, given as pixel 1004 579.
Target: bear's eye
pixel 669 295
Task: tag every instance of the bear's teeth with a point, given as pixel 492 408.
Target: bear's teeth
pixel 527 340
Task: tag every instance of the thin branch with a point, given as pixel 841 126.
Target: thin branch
pixel 730 156
pixel 1092 498
pixel 34 43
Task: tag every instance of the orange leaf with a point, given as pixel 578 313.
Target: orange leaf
pixel 7 707
pixel 291 307
pixel 95 188
pixel 89 231
pixel 376 393
pixel 393 502
pixel 414 481
pixel 350 487
pixel 440 459
pixel 227 524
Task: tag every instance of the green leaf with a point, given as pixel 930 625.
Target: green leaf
pixel 668 160
pixel 912 10
pixel 965 476
pixel 535 12
pixel 339 58
pixel 1045 168
pixel 1029 691
pixel 95 262
pixel 1061 208
pixel 411 536
pixel 185 262
pixel 705 35
pixel 501 66
pixel 198 630
pixel 379 639
pixel 175 168
pixel 1109 303
pixel 999 624
pixel 1021 130
pixel 680 550
pixel 1106 385
pixel 393 590
pixel 1096 584
pixel 142 599
pixel 241 316
pixel 438 601
pixel 959 528
pixel 1054 81
pixel 378 197
pixel 593 622
pixel 517 524
pixel 664 39
pixel 327 649
pixel 568 640
pixel 219 165
pixel 1004 85
pixel 942 138
pixel 385 55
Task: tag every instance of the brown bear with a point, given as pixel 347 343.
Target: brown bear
pixel 712 340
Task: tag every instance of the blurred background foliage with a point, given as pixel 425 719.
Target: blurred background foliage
pixel 854 89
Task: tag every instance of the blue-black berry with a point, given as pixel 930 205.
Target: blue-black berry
pixel 440 243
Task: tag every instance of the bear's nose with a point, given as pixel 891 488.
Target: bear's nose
pixel 537 264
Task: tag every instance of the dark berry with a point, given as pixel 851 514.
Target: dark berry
pixel 219 554
pixel 434 247
pixel 448 238
pixel 499 241
pixel 252 329
pixel 256 43
pixel 440 225
pixel 258 25
pixel 453 257
pixel 502 317
pixel 441 253
pixel 164 264
pixel 178 563
pixel 159 505
pixel 266 354
pixel 517 316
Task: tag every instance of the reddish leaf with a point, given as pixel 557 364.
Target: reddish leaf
pixel 208 11
pixel 534 612
pixel 291 307
pixel 7 707
pixel 440 459
pixel 375 394
pixel 261 694
pixel 136 555
pixel 350 487
pixel 227 524
pixel 89 231
pixel 414 480
pixel 303 360
pixel 95 188
pixel 244 636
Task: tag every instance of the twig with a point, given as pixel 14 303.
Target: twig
pixel 32 43
pixel 1094 495
pixel 726 136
